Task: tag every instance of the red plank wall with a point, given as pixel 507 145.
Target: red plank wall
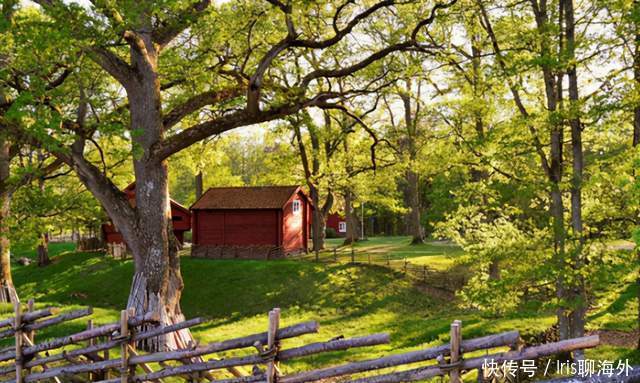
pixel 236 227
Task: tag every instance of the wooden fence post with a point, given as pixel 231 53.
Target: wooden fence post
pixel 369 257
pixel 30 308
pixel 17 308
pixel 124 350
pixel 353 255
pixel 91 343
pixel 405 265
pixel 335 254
pixel 105 356
pixel 131 345
pixel 424 273
pixel 388 260
pixel 272 344
pixel 456 340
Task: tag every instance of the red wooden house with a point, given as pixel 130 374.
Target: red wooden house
pixel 251 222
pixel 180 217
pixel 338 223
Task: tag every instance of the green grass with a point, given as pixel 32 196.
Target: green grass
pixel 349 300
pixel 616 295
pixel 55 249
pixel 437 255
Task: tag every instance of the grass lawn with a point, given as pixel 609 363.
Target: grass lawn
pixel 349 300
pixel 55 248
pixel 439 255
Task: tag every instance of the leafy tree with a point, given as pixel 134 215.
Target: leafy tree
pixel 191 71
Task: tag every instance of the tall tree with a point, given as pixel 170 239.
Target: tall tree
pixel 313 153
pixel 409 136
pixel 555 42
pixel 135 42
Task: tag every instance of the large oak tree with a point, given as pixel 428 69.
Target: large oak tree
pixel 188 71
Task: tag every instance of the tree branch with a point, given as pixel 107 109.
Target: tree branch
pixel 113 64
pixel 164 35
pixel 197 102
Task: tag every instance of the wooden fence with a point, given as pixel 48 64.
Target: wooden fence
pixel 107 353
pixel 419 273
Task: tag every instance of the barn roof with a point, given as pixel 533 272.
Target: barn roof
pixel 131 189
pixel 245 197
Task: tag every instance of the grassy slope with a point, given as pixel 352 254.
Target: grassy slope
pixel 235 295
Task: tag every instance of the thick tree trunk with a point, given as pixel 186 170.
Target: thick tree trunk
pixel 7 290
pixel 413 195
pixel 157 284
pixel 351 218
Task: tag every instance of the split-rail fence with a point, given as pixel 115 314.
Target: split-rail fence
pixel 108 353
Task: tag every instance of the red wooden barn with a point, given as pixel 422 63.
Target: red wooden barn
pixel 251 222
pixel 180 217
pixel 338 223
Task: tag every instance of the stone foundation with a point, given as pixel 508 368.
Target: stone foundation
pixel 237 252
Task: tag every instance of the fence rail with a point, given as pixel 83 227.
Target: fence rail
pixel 89 358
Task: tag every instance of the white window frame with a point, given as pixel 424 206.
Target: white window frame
pixel 296 206
pixel 342 227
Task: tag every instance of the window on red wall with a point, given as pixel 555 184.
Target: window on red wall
pixel 342 227
pixel 296 206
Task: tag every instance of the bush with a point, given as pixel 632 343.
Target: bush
pixel 331 233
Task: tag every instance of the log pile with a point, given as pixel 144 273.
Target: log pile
pixel 108 353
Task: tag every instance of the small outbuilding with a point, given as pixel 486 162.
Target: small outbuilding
pixel 261 222
pixel 180 217
pixel 338 223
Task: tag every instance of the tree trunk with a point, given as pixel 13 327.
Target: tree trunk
pixel 553 93
pixel 157 284
pixel 408 145
pixel 146 227
pixel 318 223
pixel 43 246
pixel 413 195
pixel 199 185
pixel 479 174
pixel 7 290
pixel 577 294
pixel 351 218
pixel 43 251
